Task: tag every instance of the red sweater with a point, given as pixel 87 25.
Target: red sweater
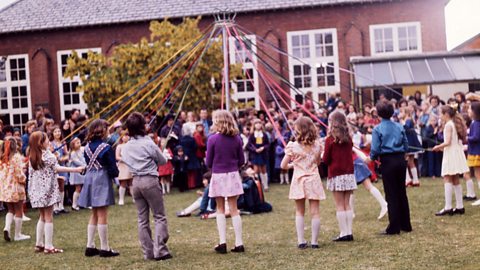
pixel 338 157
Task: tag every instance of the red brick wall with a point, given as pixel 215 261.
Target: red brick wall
pixel 351 21
pixel 469 45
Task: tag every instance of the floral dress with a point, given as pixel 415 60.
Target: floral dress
pixel 12 180
pixel 306 182
pixel 43 185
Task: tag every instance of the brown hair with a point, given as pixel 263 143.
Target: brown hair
pixel 224 123
pixel 136 125
pixel 72 142
pixel 475 107
pixel 338 127
pixel 36 141
pixel 29 124
pixel 306 132
pixel 458 121
pixel 97 130
pixel 256 121
pixel 8 149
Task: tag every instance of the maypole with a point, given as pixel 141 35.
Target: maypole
pixel 225 19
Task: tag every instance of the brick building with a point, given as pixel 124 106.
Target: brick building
pixel 36 38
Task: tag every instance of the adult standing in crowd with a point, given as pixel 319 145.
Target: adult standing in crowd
pixel 143 157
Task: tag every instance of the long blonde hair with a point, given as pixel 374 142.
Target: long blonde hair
pixel 225 123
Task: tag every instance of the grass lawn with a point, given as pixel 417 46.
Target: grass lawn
pixel 270 239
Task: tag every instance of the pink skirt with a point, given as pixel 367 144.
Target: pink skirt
pixel 225 185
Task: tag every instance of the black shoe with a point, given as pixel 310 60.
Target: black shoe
pixel 56 213
pixel 238 249
pixel 90 252
pixel 315 246
pixel 389 233
pixel 64 211
pixel 164 257
pixel 459 211
pixel 444 212
pixel 6 236
pixel 467 198
pixel 221 248
pixel 344 238
pixel 302 246
pixel 108 253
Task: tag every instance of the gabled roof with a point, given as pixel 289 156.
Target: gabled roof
pixel 32 15
pixel 466 42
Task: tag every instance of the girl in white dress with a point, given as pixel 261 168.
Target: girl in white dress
pixel 454 162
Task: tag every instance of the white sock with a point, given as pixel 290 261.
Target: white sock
pixel 470 188
pixel 168 187
pixel 18 226
pixel 48 235
pixel 349 220
pixel 121 195
pixel 315 230
pixel 60 204
pixel 352 204
pixel 40 233
pixel 91 235
pixel 164 188
pixel 458 196
pixel 282 179
pixel 264 178
pixel 75 199
pixel 448 195
pixel 8 221
pixel 407 177
pixel 285 175
pixel 342 220
pixel 415 175
pixel 237 227
pixel 378 196
pixel 103 234
pixel 300 225
pixel 222 228
pixel 194 206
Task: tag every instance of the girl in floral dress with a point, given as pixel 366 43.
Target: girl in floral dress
pixel 304 156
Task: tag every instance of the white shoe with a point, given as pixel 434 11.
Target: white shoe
pixel 22 237
pixel 383 212
pixel 25 218
pixel 121 202
pixel 476 203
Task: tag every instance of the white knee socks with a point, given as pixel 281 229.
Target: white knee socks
pixel 8 222
pixel 342 223
pixel 349 218
pixel 103 234
pixel 282 179
pixel 91 235
pixel 75 199
pixel 315 230
pixel 352 204
pixel 414 175
pixel 287 180
pixel 448 195
pixel 48 235
pixel 378 196
pixel 458 196
pixel 300 225
pixel 470 188
pixel 222 228
pixel 408 179
pixel 60 204
pixel 18 230
pixel 121 195
pixel 40 233
pixel 264 179
pixel 237 227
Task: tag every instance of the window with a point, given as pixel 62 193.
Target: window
pixel 246 87
pixel 313 65
pixel 397 38
pixel 69 97
pixel 15 105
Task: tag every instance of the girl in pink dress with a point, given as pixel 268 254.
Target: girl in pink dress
pixel 304 156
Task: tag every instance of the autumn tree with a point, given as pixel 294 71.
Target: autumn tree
pixel 106 77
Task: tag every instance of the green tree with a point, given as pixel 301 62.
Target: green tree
pixel 107 77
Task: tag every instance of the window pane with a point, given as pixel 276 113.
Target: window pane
pixel 378 34
pixel 24 118
pixel 64 59
pixel 388 32
pixel 3 75
pixel 328 38
pixel 382 73
pixel 307 82
pixel 402 32
pixel 3 92
pixel 67 100
pixel 389 46
pixel 331 80
pixel 306 70
pixel 4 105
pixel 295 41
pixel 321 80
pixel 320 71
pixel 250 87
pixel 412 31
pixel 402 45
pixel 318 39
pixel 296 52
pixel 13 63
pixel 23 90
pixel 329 50
pixel 305 53
pixel 13 75
pixel 76 98
pixel 330 68
pixel 319 51
pixel 66 87
pixel 305 41
pixel 420 71
pixel 413 44
pixel 24 103
pixel 15 91
pixel 22 74
pixel 21 63
pixel 15 103
pixel 16 119
pixel 297 82
pixel 379 47
pixel 84 55
pixel 297 70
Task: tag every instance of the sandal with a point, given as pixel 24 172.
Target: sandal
pixel 53 251
pixel 39 249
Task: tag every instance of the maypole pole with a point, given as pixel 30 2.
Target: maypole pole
pixel 225 19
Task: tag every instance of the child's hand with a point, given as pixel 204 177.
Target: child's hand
pixel 436 148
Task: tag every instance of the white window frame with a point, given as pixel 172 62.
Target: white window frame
pixel 314 62
pixel 245 96
pixel 396 46
pixel 82 106
pixel 9 84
